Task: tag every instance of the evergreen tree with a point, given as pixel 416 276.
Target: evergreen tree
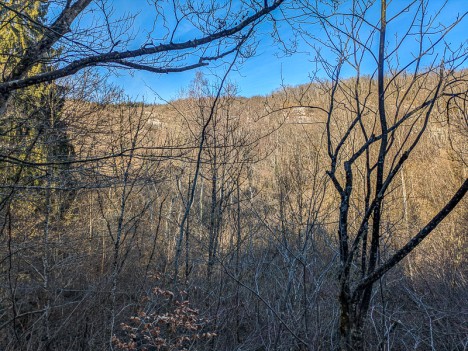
pixel 32 129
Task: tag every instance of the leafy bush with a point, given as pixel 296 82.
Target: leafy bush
pixel 167 325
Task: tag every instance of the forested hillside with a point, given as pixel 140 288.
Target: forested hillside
pixel 323 216
pixel 87 242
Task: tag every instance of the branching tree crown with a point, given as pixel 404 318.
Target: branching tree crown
pixel 219 29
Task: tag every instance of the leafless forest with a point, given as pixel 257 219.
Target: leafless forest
pixel 326 216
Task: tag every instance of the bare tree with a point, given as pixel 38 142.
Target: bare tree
pixel 374 122
pixel 218 28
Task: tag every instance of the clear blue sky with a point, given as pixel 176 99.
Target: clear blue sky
pixel 269 68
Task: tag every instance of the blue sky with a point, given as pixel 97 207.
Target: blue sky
pixel 269 68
